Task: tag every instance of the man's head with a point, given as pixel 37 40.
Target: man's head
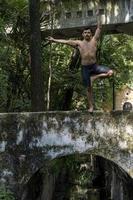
pixel 87 34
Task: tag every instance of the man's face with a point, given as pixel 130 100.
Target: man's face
pixel 87 34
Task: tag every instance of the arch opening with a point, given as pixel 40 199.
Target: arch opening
pixel 79 177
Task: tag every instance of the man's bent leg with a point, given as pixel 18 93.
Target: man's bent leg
pixel 102 75
pixel 90 99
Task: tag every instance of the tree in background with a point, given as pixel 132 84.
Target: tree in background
pixel 14 63
pixel 37 88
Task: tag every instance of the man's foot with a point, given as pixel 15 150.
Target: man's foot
pixel 90 109
pixel 110 72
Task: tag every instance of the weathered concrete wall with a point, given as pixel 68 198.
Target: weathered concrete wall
pixel 27 140
pixel 74 15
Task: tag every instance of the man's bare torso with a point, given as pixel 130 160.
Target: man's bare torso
pixel 88 51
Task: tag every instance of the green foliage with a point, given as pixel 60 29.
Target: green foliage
pixel 116 52
pixel 60 73
pixel 14 58
pixel 6 194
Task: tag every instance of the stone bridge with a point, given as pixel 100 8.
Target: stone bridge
pixel 72 16
pixel 28 140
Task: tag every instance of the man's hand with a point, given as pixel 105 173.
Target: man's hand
pixel 99 24
pixel 51 39
pixel 97 12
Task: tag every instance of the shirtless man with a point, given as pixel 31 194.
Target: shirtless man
pixel 90 69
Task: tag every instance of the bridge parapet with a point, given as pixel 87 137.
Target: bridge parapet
pixel 73 16
pixel 27 140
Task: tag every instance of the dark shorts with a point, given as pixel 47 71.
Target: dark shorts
pixel 90 70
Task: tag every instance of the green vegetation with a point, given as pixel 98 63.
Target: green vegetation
pixel 5 194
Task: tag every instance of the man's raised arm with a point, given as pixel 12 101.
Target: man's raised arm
pixel 73 43
pixel 99 26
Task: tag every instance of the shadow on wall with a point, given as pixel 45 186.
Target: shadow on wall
pixel 79 177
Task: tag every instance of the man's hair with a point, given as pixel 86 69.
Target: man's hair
pixel 87 29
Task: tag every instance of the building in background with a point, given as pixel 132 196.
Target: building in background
pixel 124 99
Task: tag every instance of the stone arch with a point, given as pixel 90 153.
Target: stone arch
pixel 46 180
pixel 28 140
pixel 114 156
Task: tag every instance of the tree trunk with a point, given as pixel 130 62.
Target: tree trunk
pixel 37 89
pixel 74 64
